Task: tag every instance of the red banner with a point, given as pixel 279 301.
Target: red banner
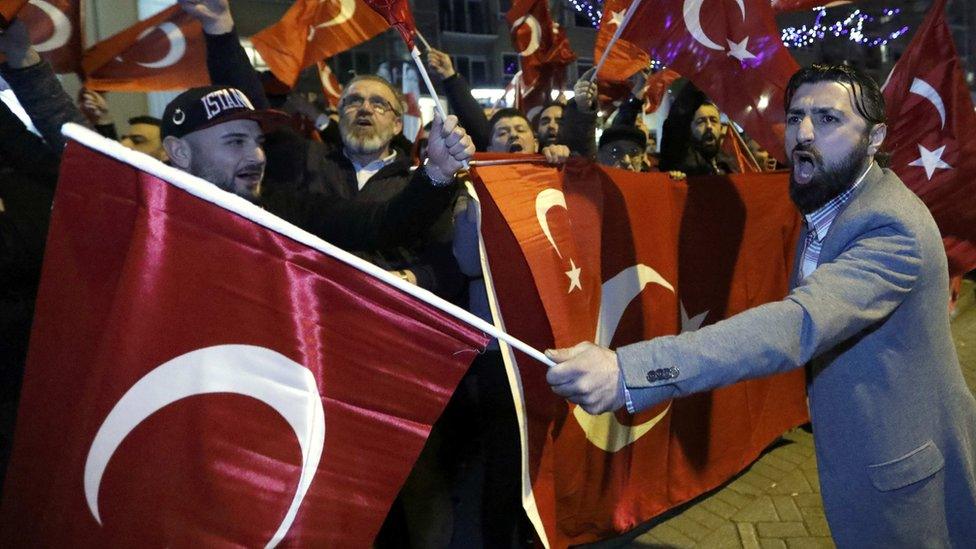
pixel 932 135
pixel 197 379
pixel 165 52
pixel 312 30
pixel 56 29
pixel 331 88
pixel 732 51
pixel 9 10
pixel 590 253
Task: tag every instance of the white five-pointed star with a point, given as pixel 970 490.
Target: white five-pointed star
pixel 693 323
pixel 574 276
pixel 616 18
pixel 930 160
pixel 739 50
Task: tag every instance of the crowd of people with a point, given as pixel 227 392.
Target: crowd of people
pixel 349 176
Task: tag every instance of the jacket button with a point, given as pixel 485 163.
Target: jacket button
pixel 651 376
pixel 674 372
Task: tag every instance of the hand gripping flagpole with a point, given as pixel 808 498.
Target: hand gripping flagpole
pixel 616 36
pixel 211 193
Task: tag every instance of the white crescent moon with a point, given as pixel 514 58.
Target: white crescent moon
pixel 177 45
pixel 617 293
pixel 535 33
pixel 324 76
pixel 604 430
pixel 924 89
pixel 692 16
pixel 61 23
pixel 544 201
pixel 346 9
pixel 257 372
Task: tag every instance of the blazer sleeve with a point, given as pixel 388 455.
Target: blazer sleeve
pixel 859 288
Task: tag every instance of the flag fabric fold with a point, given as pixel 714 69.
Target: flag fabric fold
pixel 195 379
pixel 165 52
pixel 932 135
pixel 596 254
pixel 732 51
pixel 543 49
pixel 313 30
pixel 624 58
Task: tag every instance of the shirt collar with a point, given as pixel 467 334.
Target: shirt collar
pixel 819 221
pixel 375 165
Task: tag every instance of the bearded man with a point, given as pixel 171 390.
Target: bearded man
pixel 692 137
pixel 894 423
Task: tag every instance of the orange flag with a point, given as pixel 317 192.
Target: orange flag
pixel 312 30
pixel 55 28
pixel 164 52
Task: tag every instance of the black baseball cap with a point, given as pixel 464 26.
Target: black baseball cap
pixel 199 108
pixel 621 132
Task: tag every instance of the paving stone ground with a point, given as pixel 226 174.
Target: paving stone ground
pixel 775 503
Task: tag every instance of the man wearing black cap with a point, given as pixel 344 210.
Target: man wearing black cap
pixel 622 147
pixel 215 133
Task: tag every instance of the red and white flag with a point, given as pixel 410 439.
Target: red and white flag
pixel 56 29
pixel 590 253
pixel 203 375
pixel 165 52
pixel 624 58
pixel 932 135
pixel 331 88
pixel 732 51
pixel 412 117
pixel 543 49
pixel 313 30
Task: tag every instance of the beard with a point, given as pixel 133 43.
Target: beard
pixel 826 183
pixel 364 139
pixel 226 181
pixel 707 144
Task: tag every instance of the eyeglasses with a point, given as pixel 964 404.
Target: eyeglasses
pixel 377 104
pixel 618 152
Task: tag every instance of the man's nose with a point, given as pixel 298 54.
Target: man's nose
pixel 804 132
pixel 257 154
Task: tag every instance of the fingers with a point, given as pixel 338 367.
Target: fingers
pixel 677 175
pixel 588 75
pixel 566 353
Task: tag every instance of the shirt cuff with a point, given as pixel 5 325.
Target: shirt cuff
pixel 629 401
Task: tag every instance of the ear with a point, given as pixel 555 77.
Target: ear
pixel 178 151
pixel 876 138
pixel 398 125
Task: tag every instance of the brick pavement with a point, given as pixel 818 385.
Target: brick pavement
pixel 775 503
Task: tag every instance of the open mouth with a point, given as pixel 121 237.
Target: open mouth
pixel 515 147
pixel 804 166
pixel 250 176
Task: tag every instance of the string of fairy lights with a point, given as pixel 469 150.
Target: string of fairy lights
pixel 854 25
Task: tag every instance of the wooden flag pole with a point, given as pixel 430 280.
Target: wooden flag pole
pixel 616 36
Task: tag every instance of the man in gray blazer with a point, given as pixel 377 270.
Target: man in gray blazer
pixel 893 421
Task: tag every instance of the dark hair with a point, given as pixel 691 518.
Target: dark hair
pixel 676 132
pixel 151 120
pixel 505 113
pixel 867 97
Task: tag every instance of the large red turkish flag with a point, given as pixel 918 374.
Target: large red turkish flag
pixel 932 135
pixel 590 253
pixel 56 29
pixel 199 379
pixel 312 30
pixel 730 50
pixel 165 52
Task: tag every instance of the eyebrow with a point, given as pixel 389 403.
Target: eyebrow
pixel 817 110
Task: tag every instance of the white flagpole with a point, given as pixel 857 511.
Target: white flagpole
pixel 211 193
pixel 422 39
pixel 616 36
pixel 415 53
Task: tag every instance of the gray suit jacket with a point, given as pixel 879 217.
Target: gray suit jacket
pixel 894 423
